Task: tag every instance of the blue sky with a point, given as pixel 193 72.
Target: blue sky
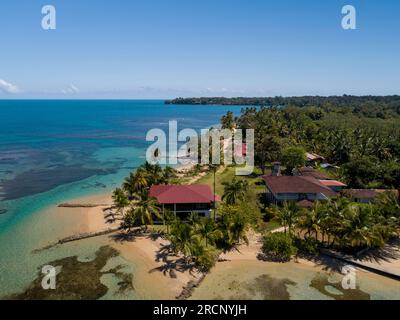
pixel 163 49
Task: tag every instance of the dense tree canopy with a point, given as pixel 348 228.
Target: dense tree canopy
pixel 366 106
pixel 350 132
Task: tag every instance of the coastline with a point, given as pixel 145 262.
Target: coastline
pixel 156 276
pixel 233 276
pixel 142 251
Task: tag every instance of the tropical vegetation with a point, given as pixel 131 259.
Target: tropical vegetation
pixel 344 225
pixel 278 246
pixel 361 135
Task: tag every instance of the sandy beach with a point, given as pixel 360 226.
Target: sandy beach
pixel 153 273
pixel 152 278
pixel 237 275
pixel 241 276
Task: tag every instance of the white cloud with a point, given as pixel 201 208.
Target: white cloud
pixel 71 89
pixel 8 87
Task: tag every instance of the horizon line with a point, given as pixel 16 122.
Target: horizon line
pixel 200 97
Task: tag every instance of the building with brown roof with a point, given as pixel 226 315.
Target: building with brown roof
pixel 296 188
pixel 365 195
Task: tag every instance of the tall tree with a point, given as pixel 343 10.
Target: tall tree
pixel 136 182
pixel 235 191
pixel 208 231
pixel 293 157
pixel 144 209
pixel 288 215
pixel 120 201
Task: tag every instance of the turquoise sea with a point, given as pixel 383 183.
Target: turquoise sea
pixel 52 151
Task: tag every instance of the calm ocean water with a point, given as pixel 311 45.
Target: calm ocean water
pixel 55 151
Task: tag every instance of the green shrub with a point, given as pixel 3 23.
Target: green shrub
pixel 308 245
pixel 278 246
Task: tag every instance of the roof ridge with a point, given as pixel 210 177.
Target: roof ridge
pixel 195 191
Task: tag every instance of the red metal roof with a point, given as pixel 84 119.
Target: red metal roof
pixel 296 184
pixel 332 183
pixel 169 194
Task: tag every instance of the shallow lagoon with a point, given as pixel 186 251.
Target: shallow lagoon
pixel 244 280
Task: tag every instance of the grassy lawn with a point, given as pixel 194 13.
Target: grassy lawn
pixel 226 175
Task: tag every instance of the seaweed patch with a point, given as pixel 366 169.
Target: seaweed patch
pixel 323 285
pixel 78 280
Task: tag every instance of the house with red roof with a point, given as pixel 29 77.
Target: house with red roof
pixel 185 199
pixel 296 188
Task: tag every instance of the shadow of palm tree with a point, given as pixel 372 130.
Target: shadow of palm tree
pixel 131 235
pixel 124 236
pixel 111 216
pixel 389 252
pixel 327 263
pixel 154 236
pixel 171 262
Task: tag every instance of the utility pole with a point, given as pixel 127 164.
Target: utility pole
pixel 214 169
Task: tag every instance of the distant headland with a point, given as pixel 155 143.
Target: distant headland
pixel 391 102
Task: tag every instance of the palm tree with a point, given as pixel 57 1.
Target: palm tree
pixel 136 182
pixel 235 191
pixel 233 225
pixel 154 173
pixel 129 220
pixel 205 256
pixel 389 205
pixel 144 209
pixel 335 221
pixel 120 201
pixel 169 174
pixel 312 220
pixel 182 238
pixel 194 219
pixel 288 215
pixel 169 218
pixel 208 231
pixel 214 168
pixel 237 230
pixel 360 232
